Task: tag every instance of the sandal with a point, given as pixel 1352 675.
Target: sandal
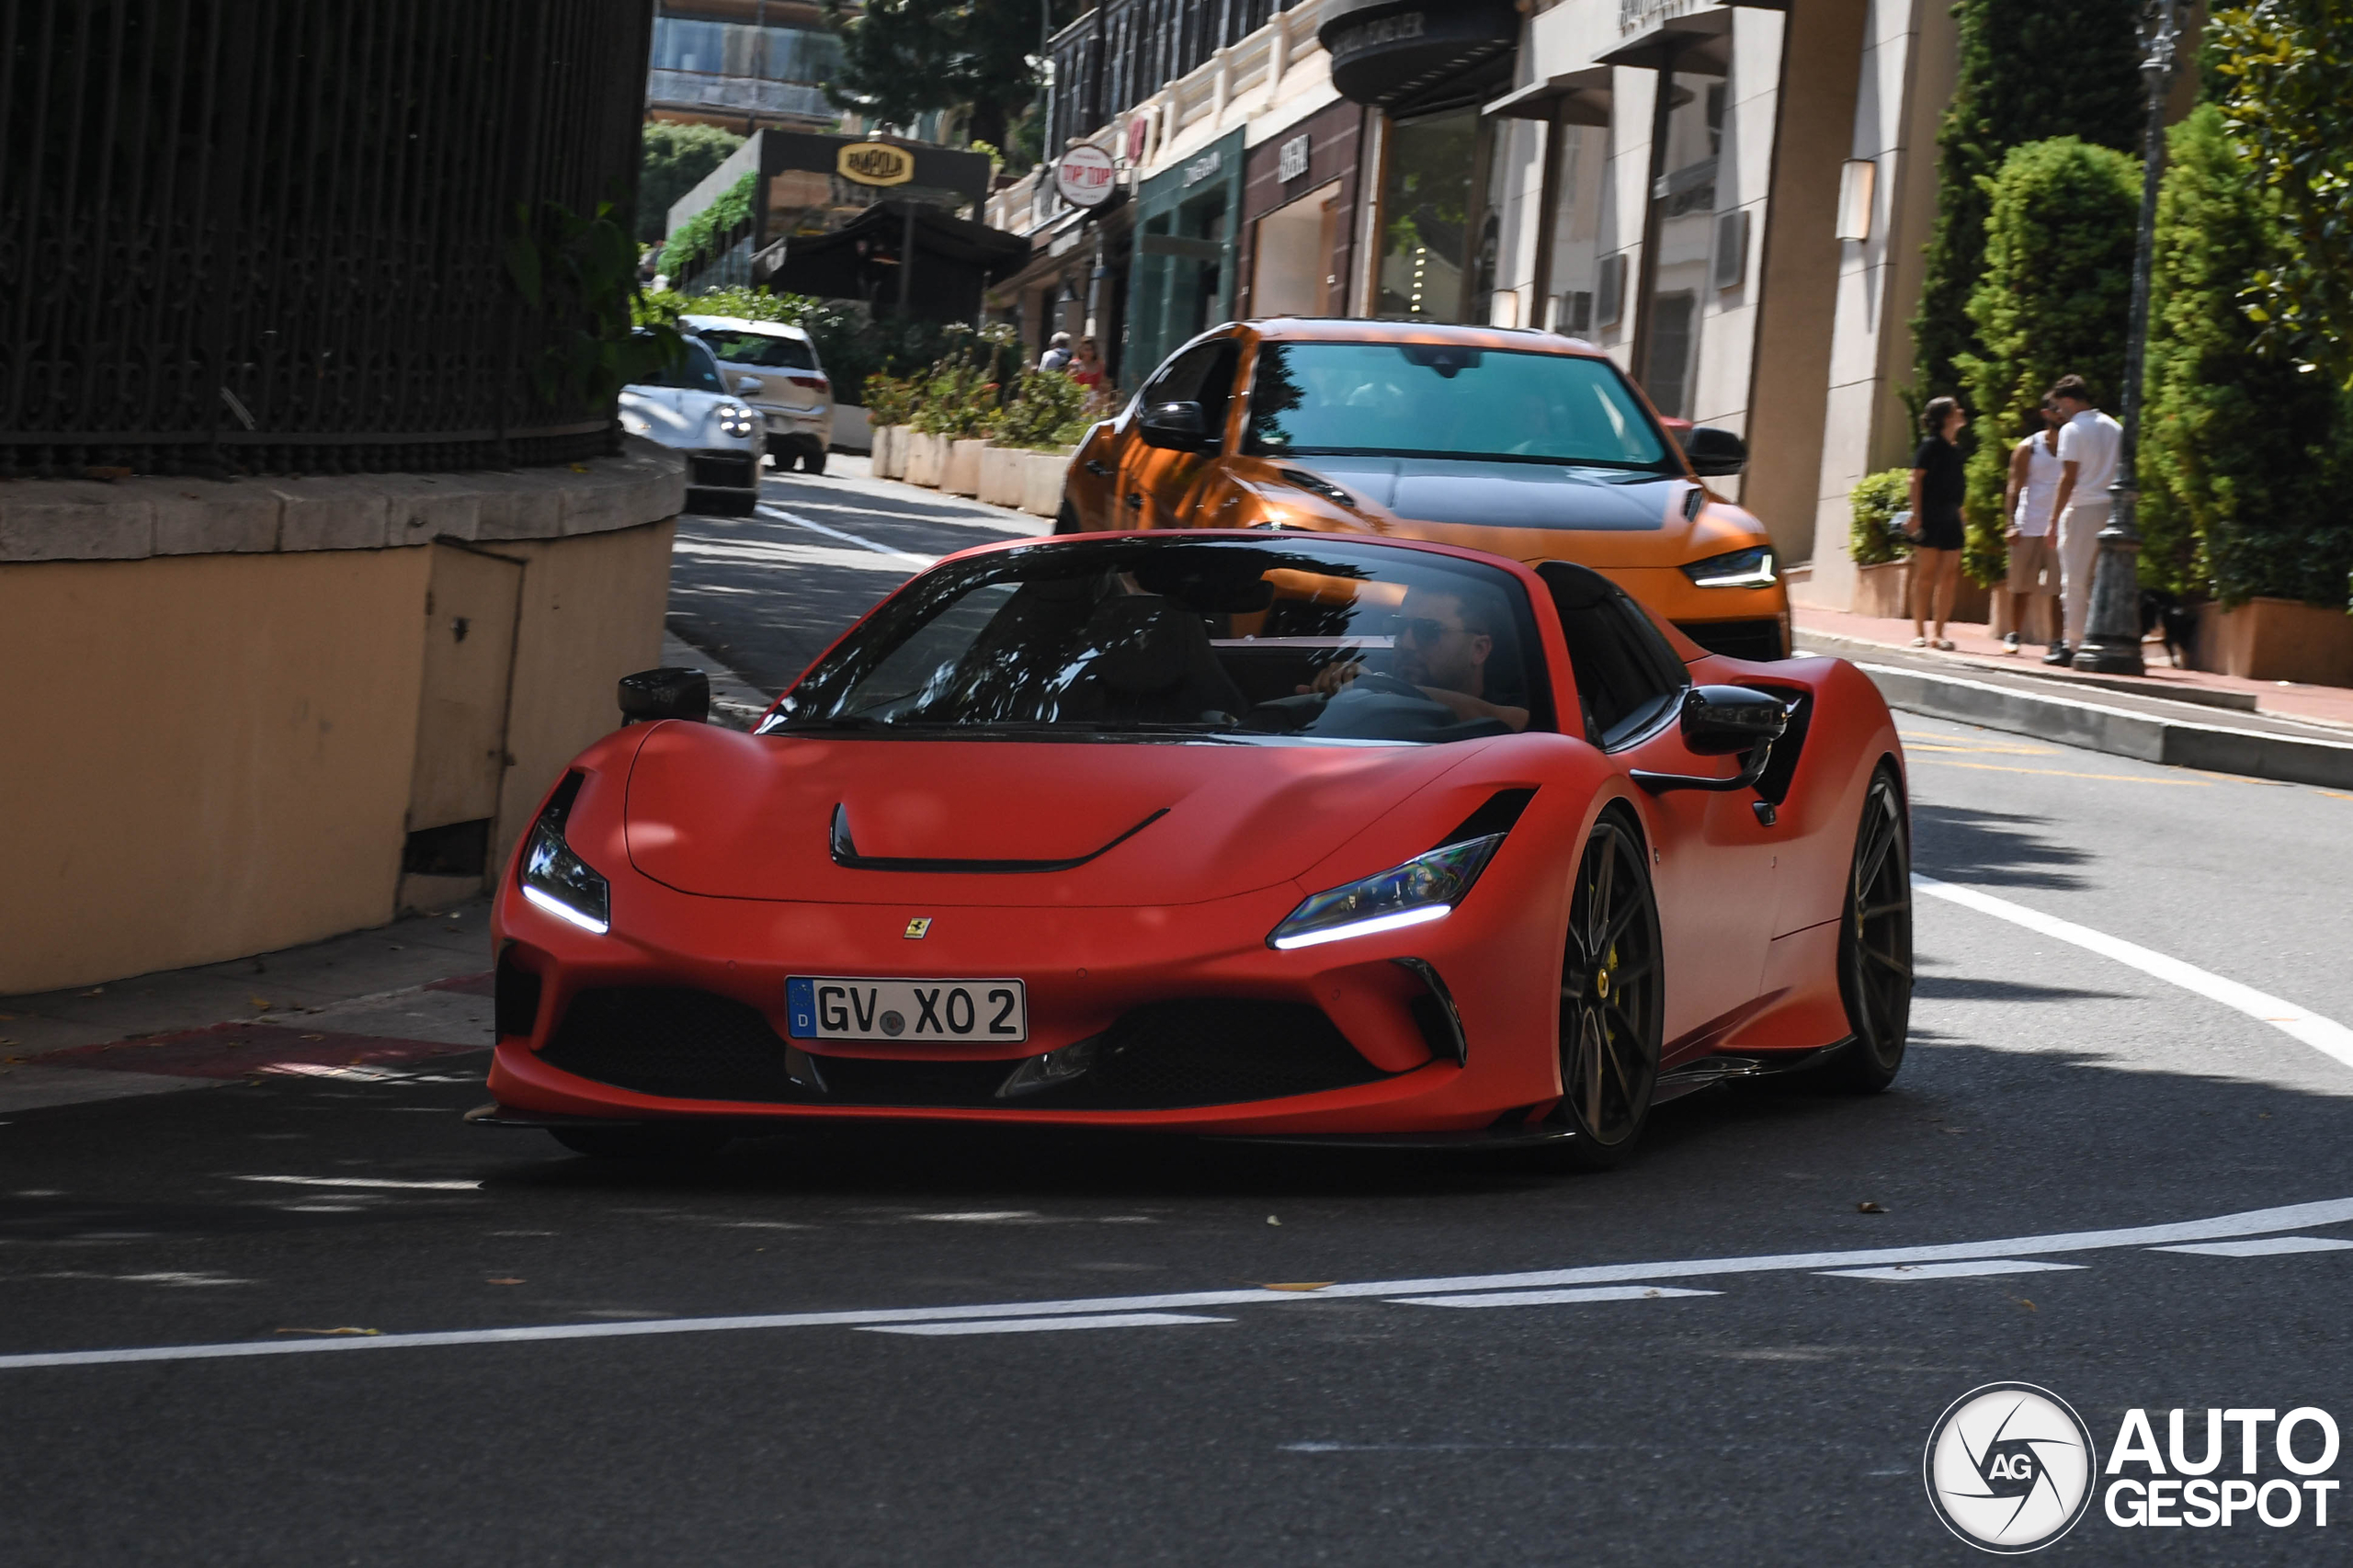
pixel 1945 643
pixel 1920 641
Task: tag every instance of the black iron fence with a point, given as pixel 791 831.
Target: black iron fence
pixel 1121 52
pixel 311 235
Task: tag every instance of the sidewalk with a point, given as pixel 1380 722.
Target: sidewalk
pixel 2299 735
pixel 1975 647
pixel 362 1005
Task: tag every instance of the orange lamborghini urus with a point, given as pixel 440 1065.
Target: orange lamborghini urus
pixel 1522 444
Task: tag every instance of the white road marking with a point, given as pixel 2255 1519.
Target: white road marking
pixel 1553 1298
pixel 369 1181
pixel 1042 1326
pixel 1904 1271
pixel 956 519
pixel 782 515
pixel 2268 1247
pixel 2250 1222
pixel 2324 1035
pixel 983 1214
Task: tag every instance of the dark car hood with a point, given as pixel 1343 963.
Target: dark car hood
pixel 1504 495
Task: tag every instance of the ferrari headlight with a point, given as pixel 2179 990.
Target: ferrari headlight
pixel 1424 887
pixel 1751 568
pixel 735 419
pixel 556 880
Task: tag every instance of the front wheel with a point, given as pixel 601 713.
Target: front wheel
pixel 1612 1000
pixel 1875 946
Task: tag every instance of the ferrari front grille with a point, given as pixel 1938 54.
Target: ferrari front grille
pixel 671 1042
pixel 680 1043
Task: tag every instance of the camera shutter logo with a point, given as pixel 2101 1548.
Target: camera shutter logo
pixel 2009 1468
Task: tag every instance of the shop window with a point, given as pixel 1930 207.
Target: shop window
pixel 1434 244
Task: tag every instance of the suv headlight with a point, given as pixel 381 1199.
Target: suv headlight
pixel 556 880
pixel 1424 887
pixel 1751 568
pixel 735 419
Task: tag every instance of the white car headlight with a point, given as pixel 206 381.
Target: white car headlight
pixel 735 420
pixel 1751 568
pixel 1424 887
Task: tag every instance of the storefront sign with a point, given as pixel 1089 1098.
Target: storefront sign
pixel 1290 160
pixel 1388 53
pixel 1201 168
pixel 1635 16
pixel 1084 176
pixel 1403 27
pixel 1139 131
pixel 875 162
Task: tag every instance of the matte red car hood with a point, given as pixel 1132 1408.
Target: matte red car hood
pixel 728 815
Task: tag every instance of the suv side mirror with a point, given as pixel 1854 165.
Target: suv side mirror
pixel 747 385
pixel 1177 426
pixel 1715 452
pixel 670 692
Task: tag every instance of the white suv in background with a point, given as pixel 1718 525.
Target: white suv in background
pixel 774 368
pixel 688 408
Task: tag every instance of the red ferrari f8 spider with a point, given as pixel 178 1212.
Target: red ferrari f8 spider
pixel 1268 836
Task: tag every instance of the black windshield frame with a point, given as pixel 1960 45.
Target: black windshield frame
pixel 816 703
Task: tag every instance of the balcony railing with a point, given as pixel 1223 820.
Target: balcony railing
pixel 694 89
pixel 1121 52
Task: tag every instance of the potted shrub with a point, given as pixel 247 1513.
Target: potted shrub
pixel 1879 551
pixel 890 404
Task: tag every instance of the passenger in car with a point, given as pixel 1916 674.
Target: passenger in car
pixel 1442 644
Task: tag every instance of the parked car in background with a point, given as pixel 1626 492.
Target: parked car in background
pixel 1523 444
pixel 775 367
pixel 688 408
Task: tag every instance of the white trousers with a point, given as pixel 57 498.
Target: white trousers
pixel 2079 527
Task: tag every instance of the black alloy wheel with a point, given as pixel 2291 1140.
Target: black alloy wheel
pixel 1612 1000
pixel 1875 945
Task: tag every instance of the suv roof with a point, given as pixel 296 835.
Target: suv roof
pixel 739 323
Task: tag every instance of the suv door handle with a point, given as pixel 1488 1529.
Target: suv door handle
pixel 1099 468
pixel 1135 500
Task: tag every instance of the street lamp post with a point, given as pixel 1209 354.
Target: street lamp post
pixel 2113 642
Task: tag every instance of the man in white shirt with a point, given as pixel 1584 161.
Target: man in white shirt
pixel 2087 444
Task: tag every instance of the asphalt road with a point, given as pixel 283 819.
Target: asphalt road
pixel 1735 1396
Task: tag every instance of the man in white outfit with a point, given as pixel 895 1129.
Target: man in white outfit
pixel 2087 444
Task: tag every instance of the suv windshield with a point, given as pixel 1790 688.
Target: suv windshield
pixel 1188 639
pixel 769 350
pixel 1447 400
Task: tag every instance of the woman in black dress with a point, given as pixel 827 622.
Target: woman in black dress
pixel 1936 487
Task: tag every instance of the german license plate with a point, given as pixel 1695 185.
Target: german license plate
pixel 831 1007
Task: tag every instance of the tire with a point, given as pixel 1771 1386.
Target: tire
pixel 1612 996
pixel 1066 520
pixel 641 1142
pixel 1875 946
pixel 813 462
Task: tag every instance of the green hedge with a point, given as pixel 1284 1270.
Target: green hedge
pixel 2242 475
pixel 1873 504
pixel 706 233
pixel 2054 298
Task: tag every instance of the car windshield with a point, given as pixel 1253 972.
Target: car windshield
pixel 1449 399
pixel 769 350
pixel 1188 638
pixel 694 369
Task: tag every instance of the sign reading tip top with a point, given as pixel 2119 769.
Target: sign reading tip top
pixel 1084 176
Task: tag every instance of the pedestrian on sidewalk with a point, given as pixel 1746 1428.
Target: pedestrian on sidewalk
pixel 1057 354
pixel 2087 444
pixel 1937 487
pixel 1086 366
pixel 2034 559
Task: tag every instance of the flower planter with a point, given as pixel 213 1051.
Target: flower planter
pixel 1042 475
pixel 2277 640
pixel 1885 591
pixel 853 432
pixel 1001 469
pixel 962 476
pixel 890 451
pixel 926 459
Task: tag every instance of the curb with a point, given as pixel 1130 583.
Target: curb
pixel 2119 732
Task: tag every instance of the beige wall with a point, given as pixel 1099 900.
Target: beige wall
pixel 206 756
pixel 212 756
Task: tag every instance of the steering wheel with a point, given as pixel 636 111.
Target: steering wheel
pixel 1373 682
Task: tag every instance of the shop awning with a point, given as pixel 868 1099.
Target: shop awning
pixel 1574 97
pixel 952 259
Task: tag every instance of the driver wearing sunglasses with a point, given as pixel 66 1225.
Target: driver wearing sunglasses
pixel 1441 646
